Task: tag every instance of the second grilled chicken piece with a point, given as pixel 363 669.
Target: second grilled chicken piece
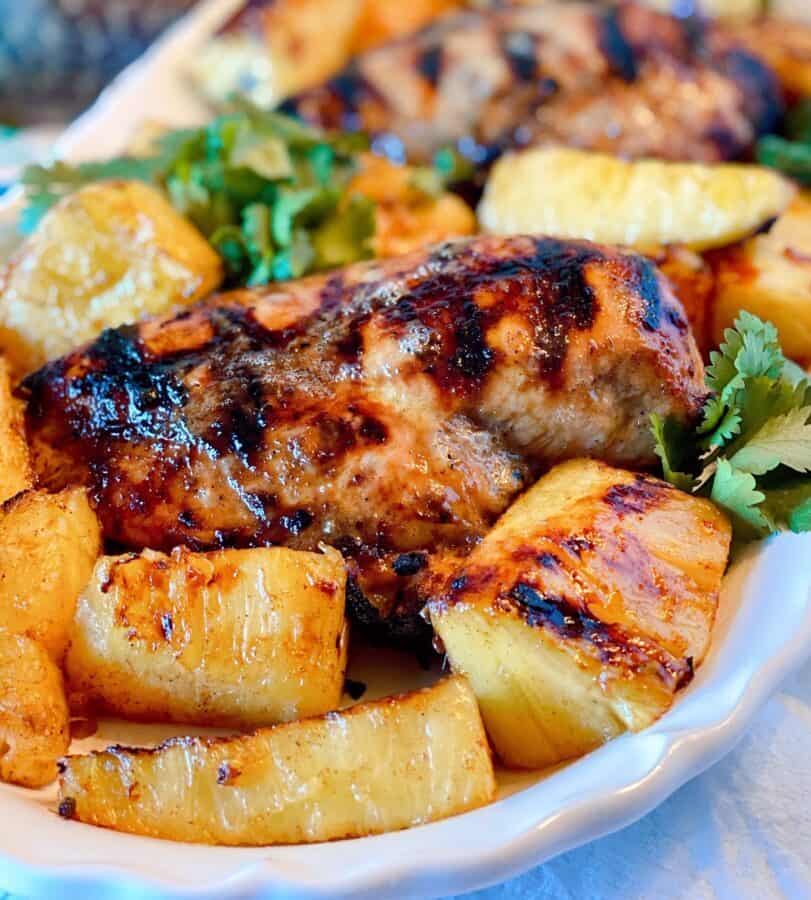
pixel 625 80
pixel 385 409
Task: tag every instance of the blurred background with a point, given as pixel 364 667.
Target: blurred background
pixel 56 55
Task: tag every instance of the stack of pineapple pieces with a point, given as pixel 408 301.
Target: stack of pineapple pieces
pixel 579 616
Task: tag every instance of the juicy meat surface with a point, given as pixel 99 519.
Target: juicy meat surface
pixel 390 409
pixel 622 79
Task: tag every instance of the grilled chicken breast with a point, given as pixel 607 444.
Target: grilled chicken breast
pixel 386 409
pixel 622 79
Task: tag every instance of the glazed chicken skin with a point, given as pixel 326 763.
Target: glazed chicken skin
pixel 625 80
pixel 388 409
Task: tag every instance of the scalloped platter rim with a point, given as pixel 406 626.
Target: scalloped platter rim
pixel 756 643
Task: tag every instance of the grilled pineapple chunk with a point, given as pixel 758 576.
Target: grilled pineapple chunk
pixel 644 204
pixel 406 218
pixel 110 253
pixel 376 767
pixel 34 720
pixel 584 610
pixel 770 275
pixel 15 467
pixel 48 547
pixel 268 53
pixel 235 638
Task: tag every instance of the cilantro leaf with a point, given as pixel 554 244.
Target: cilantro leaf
pixel 781 440
pixel 789 503
pixel 669 439
pixel 751 451
pixel 346 236
pixel 799 518
pixel 269 192
pixel 724 429
pixel 737 493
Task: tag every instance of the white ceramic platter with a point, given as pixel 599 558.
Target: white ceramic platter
pixel 763 632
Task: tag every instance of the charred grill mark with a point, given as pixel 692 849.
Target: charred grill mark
pixel 723 138
pixel 577 544
pixel 350 346
pixel 296 522
pixel 619 54
pixel 227 774
pixel 613 645
pixel 521 53
pixel 758 86
pixel 555 611
pixel 373 430
pixel 333 293
pixel 473 358
pixel 67 807
pixel 125 393
pixel 527 553
pixel 243 417
pixel 409 563
pixel 458 356
pixel 400 629
pixel 231 322
pixel 429 63
pixel 645 282
pixel 637 497
pixel 347 94
pixel 572 303
pixel 627 41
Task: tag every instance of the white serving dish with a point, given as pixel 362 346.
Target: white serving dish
pixel 763 633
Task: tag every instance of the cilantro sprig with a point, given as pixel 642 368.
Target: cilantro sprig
pixel 751 452
pixel 269 193
pixel 790 153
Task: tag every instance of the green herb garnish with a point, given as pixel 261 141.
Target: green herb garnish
pixel 790 154
pixel 751 452
pixel 269 192
pixel 452 167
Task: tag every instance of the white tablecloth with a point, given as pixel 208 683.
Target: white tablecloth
pixel 740 830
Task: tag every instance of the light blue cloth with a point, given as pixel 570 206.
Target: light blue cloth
pixel 741 830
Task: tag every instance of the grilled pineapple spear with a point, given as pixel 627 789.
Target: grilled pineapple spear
pixel 376 767
pixel 642 204
pixel 584 610
pixel 234 638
